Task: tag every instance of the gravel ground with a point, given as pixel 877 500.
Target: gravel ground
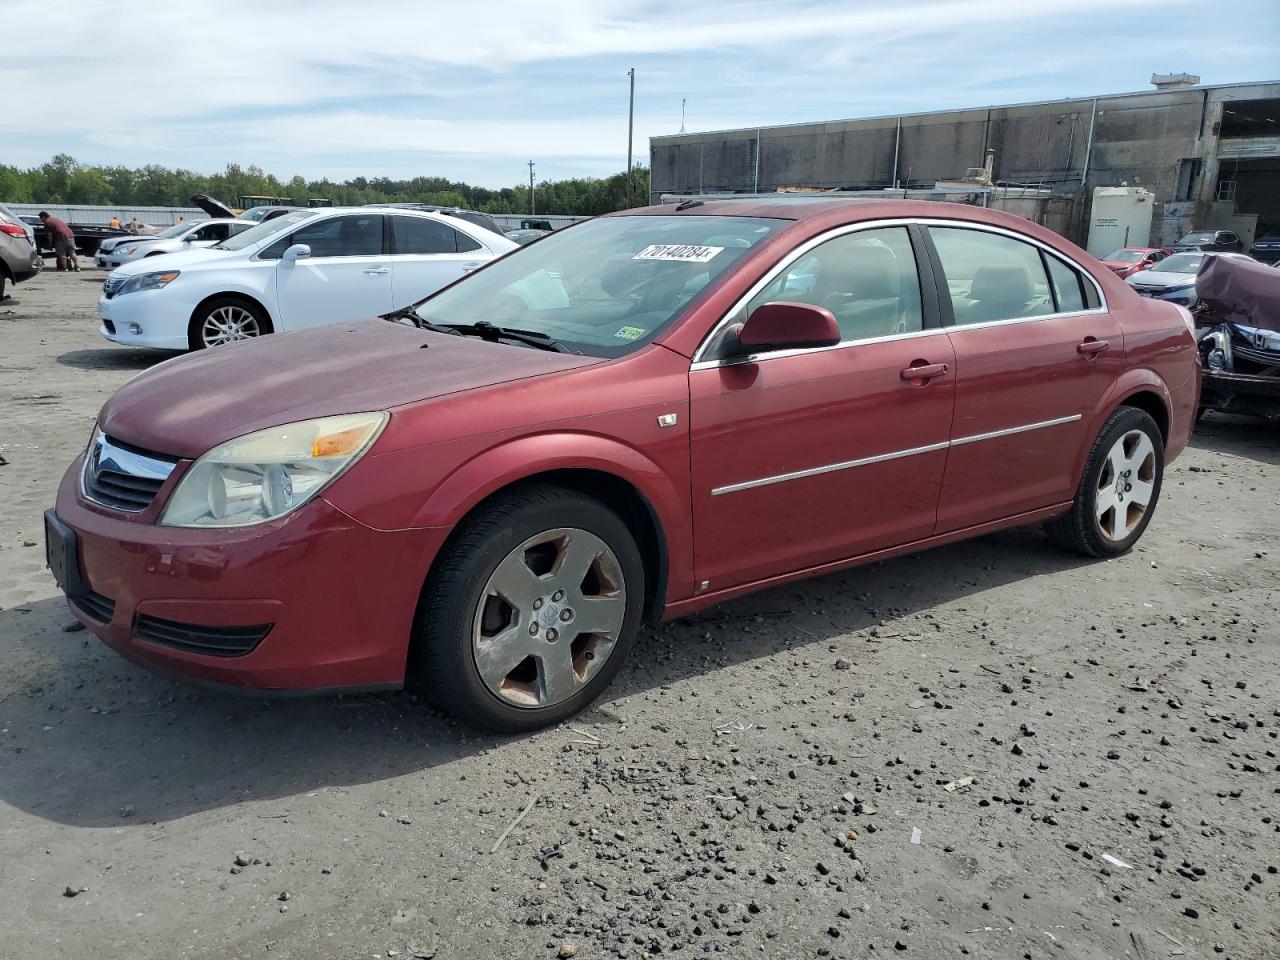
pixel 993 749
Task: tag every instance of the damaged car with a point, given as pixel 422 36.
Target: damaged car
pixel 1238 329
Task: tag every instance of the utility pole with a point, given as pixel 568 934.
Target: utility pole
pixel 532 209
pixel 682 105
pixel 631 116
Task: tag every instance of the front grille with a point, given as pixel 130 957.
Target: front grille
pixel 122 476
pixel 1269 358
pixel 97 606
pixel 195 638
pixel 111 285
pixel 109 326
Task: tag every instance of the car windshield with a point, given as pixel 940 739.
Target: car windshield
pixel 263 230
pixel 255 213
pixel 1180 263
pixel 1202 237
pixel 177 230
pixel 604 287
pixel 1124 256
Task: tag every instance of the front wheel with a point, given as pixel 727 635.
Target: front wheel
pixel 225 320
pixel 531 611
pixel 1119 489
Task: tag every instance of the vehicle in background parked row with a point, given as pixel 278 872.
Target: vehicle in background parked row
pixel 183 236
pixel 1267 247
pixel 19 259
pixel 1174 278
pixel 1127 261
pixel 306 269
pixel 1218 241
pixel 489 502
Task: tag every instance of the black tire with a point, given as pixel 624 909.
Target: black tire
pixel 1081 529
pixel 204 311
pixel 442 661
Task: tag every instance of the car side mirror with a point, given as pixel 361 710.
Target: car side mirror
pixel 785 325
pixel 296 252
pixel 189 238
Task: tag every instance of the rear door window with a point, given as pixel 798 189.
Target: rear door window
pixel 422 235
pixel 990 276
pixel 1067 290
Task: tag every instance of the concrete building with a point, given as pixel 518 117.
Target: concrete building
pixel 1209 153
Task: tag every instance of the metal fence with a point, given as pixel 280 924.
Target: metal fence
pixel 90 214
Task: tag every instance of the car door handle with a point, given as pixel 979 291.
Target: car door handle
pixel 468 267
pixel 376 271
pixel 919 372
pixel 1091 347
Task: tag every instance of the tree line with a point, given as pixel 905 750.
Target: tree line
pixel 62 180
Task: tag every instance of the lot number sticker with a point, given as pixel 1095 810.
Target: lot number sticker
pixel 681 252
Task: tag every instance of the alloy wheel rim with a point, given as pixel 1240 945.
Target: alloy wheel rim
pixel 228 324
pixel 1126 485
pixel 549 617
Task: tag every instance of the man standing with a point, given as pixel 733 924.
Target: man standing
pixel 64 242
pixel 115 222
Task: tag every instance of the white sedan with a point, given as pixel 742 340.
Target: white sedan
pixel 307 269
pixel 117 251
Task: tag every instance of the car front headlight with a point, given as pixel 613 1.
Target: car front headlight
pixel 265 475
pixel 147 281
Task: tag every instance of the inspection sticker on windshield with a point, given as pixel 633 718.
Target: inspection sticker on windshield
pixel 684 252
pixel 629 333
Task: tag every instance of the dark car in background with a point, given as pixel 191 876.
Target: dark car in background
pixel 89 236
pixel 1267 247
pixel 1217 241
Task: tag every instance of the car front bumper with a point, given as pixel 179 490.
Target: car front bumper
pixel 1182 296
pixel 1244 393
pixel 316 601
pixel 146 319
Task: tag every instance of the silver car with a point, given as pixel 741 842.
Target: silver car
pixel 18 257
pixel 184 236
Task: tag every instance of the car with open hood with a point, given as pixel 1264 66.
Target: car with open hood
pixel 633 419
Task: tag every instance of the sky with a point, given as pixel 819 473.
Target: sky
pixel 473 91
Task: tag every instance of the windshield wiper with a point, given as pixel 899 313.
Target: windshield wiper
pixel 493 333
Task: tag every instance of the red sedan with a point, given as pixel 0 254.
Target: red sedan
pixel 632 419
pixel 1130 260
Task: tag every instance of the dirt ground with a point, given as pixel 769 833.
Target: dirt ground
pixel 769 779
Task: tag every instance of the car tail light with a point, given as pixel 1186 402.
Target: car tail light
pixel 12 229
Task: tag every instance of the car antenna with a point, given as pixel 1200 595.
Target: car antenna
pixel 688 204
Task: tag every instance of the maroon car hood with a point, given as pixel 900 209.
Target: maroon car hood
pixel 187 405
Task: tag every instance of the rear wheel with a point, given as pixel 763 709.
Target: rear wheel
pixel 531 610
pixel 1119 490
pixel 225 320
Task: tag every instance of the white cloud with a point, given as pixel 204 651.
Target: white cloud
pixel 203 82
